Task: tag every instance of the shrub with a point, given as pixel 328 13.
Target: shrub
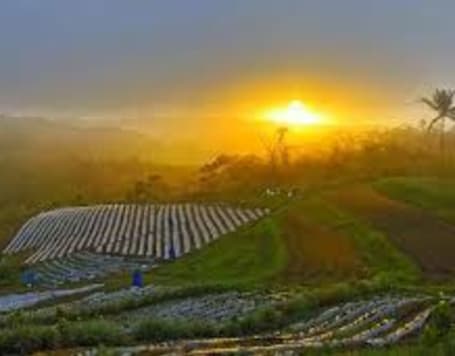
pixel 159 330
pixel 439 325
pixel 92 333
pixel 153 330
pixel 441 318
pixel 10 268
pixel 26 339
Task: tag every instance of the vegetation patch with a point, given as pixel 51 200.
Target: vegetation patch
pixel 366 252
pixel 426 239
pixel 315 252
pixel 248 258
pixel 435 195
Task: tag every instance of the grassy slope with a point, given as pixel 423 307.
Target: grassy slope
pixel 309 242
pixel 433 194
pixel 249 257
pixel 381 261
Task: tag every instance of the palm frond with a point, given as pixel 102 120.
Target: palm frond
pixel 433 122
pixel 451 114
pixel 441 101
pixel 429 102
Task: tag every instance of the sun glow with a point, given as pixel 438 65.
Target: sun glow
pixel 295 114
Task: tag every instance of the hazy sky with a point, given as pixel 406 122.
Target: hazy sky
pixel 172 58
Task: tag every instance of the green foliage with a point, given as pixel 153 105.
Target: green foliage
pixel 439 325
pixel 92 333
pixel 26 339
pixel 17 318
pixel 10 272
pixel 160 330
pixel 63 316
pixel 441 318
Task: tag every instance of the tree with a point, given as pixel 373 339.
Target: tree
pixel 146 190
pixel 277 150
pixel 442 102
pixel 282 147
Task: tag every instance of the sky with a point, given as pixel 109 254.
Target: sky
pixel 186 62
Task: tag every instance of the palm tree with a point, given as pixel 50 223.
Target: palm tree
pixel 442 102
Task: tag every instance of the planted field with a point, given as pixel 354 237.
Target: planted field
pixel 315 250
pixel 226 323
pixel 249 258
pixel 426 238
pixel 86 266
pixel 309 241
pixel 436 196
pixel 159 231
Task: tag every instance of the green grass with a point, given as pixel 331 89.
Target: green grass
pixel 433 194
pixel 251 257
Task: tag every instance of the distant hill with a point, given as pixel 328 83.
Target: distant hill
pixel 39 136
pixel 46 163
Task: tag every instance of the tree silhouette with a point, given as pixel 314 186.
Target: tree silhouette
pixel 146 190
pixel 277 150
pixel 442 103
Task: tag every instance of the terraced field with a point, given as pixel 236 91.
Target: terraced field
pixel 316 250
pixel 81 266
pixel 375 322
pixel 241 293
pixel 426 238
pixel 380 321
pixel 159 231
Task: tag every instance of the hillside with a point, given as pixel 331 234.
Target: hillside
pixel 46 164
pixel 365 231
pixel 348 233
pixel 329 267
pixel 418 232
pixel 311 241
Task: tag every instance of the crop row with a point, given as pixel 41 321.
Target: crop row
pixel 162 231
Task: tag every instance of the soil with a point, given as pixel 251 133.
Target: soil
pixel 429 240
pixel 315 251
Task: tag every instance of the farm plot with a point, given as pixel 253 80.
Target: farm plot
pixel 154 302
pixel 96 301
pixel 218 308
pixel 86 266
pixel 158 231
pixel 316 251
pixel 25 300
pixel 377 322
pixel 427 239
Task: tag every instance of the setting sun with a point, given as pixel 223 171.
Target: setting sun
pixel 295 114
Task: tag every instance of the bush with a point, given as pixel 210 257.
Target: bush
pixel 441 318
pixel 10 270
pixel 26 339
pixel 154 330
pixel 91 333
pixel 160 330
pixel 439 325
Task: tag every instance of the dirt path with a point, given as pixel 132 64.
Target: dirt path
pixel 429 240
